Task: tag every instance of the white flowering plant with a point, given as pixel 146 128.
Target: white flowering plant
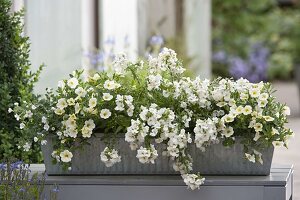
pixel 153 103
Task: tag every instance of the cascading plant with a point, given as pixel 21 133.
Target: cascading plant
pixel 153 103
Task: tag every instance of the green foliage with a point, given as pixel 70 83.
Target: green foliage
pixel 16 81
pixel 239 24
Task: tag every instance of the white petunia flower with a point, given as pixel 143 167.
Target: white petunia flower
pixel 80 92
pixel 105 113
pixel 66 156
pixel 10 110
pixel 268 118
pixel 62 103
pixel 247 110
pixel 111 85
pixel 72 82
pixel 107 97
pixel 228 132
pixel 92 102
pixel 258 127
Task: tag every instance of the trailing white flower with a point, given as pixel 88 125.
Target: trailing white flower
pixel 66 156
pixel 193 181
pixel 120 64
pixel 147 155
pixel 110 157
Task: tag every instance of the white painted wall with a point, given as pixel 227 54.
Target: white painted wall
pixel 54 28
pixel 120 19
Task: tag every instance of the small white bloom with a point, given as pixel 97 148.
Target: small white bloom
pixel 278 143
pixel 92 102
pixel 22 125
pixel 107 97
pixel 110 157
pixel 286 110
pixel 62 103
pixel 268 118
pixel 46 127
pixel 27 146
pixel 71 102
pixel 43 142
pixel 35 139
pixel 66 156
pixel 258 127
pixel 105 114
pixel 250 157
pixel 111 85
pixel 228 132
pixel 247 110
pixel 72 82
pixel 61 84
pixel 10 110
pixel 80 92
pixel 193 181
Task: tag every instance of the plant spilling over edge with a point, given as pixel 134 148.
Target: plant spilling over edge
pixel 154 103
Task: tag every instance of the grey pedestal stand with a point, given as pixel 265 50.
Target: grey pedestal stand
pixel 277 186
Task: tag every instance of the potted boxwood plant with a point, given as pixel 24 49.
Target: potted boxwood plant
pixel 150 113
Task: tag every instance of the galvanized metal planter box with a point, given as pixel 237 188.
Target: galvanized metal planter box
pixel 216 160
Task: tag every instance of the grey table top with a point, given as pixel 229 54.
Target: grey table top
pixel 280 175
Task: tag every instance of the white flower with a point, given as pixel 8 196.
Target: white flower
pixel 247 110
pixel 111 85
pixel 250 157
pixel 77 108
pixel 286 110
pixel 275 131
pixel 228 118
pixel 46 127
pixel 120 64
pixel 254 92
pixel 262 103
pixel 92 102
pixel 105 114
pixel 66 156
pixel 27 146
pixel 154 81
pixel 147 155
pixel 35 139
pixel 263 96
pixel 59 111
pixel 239 110
pixel 61 84
pixel 228 132
pixel 43 142
pixel 33 107
pixel 62 103
pixel 22 125
pixel 71 102
pixel 193 181
pixel 44 120
pixel 90 124
pixel 10 110
pixel 268 118
pixel 107 97
pixel 258 127
pixel 72 82
pixel 80 92
pixel 17 117
pixel 86 132
pixel 110 157
pixel 278 143
pixel 257 136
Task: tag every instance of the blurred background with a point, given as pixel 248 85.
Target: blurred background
pixel 258 40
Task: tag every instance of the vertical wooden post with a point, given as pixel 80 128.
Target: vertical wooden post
pixel 197 25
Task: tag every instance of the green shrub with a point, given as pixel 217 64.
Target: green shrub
pixel 16 81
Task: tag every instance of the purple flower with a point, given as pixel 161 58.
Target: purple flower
pixel 156 40
pixel 254 68
pixel 220 57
